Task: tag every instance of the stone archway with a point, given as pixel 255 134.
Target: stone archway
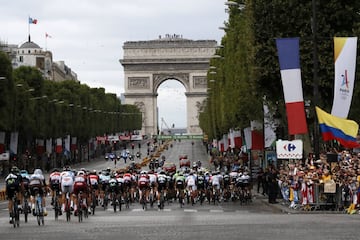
pixel 147 64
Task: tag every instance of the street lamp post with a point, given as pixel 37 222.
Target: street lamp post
pixel 315 79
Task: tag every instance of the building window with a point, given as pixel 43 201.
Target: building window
pixel 21 59
pixel 29 51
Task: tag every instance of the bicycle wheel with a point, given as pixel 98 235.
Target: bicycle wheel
pixel 25 209
pixel 93 203
pixel 114 201
pixel 56 208
pixel 67 209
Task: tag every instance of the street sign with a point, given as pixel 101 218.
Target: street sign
pixel 181 137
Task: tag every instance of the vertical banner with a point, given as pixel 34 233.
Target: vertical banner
pixel 231 138
pixel 2 142
pixel 226 142
pixel 257 135
pixel 40 146
pixel 289 59
pixel 58 145
pixel 73 144
pixel 14 142
pixel 345 64
pixel 238 139
pixel 49 145
pixel 247 135
pixel 67 143
pixel 269 128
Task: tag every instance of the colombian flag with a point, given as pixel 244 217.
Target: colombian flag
pixel 335 128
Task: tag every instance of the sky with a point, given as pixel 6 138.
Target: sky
pixel 89 35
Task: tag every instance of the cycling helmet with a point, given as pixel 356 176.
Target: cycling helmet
pixel 80 173
pixel 38 171
pixel 143 172
pixel 67 168
pixel 15 170
pixel 162 172
pixel 55 170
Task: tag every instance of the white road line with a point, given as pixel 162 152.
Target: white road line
pixel 216 210
pixel 190 210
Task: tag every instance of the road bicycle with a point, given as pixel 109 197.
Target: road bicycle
pixel 93 202
pixel 67 207
pixel 57 206
pixel 15 213
pixel 39 210
pixel 26 206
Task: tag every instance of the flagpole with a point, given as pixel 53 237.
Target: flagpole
pixel 29 27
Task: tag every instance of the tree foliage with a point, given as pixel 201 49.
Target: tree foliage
pixel 248 71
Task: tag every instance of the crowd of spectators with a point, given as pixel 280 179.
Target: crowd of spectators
pixel 331 182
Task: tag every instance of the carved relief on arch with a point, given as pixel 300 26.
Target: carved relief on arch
pixel 138 83
pixel 158 78
pixel 199 82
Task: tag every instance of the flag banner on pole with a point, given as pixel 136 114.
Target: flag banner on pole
pixel 345 64
pixel 257 135
pixel 231 138
pixel 73 144
pixel 49 149
pixel 225 142
pixel 32 20
pixel 2 142
pixel 40 146
pixel 67 143
pixel 238 139
pixel 58 146
pixel 47 35
pixel 247 136
pixel 288 51
pixel 14 142
pixel 336 128
pixel 269 127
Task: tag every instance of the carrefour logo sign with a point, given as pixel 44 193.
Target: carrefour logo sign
pixel 289 149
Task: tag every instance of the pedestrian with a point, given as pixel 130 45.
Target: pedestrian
pixel 260 183
pixel 272 185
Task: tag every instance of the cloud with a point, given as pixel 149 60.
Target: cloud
pixel 89 35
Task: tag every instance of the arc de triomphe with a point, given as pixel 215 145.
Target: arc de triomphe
pixel 147 64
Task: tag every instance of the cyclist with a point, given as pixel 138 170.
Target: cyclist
pixel 200 184
pixel 54 183
pixel 153 185
pixel 38 184
pixel 80 185
pixel 162 185
pixel 67 186
pixel 180 186
pixel 13 186
pixel 144 185
pixel 128 184
pixel 113 186
pixel 216 182
pixel 190 182
pixel 25 180
pixel 94 183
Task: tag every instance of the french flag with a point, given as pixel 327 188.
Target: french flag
pixel 288 51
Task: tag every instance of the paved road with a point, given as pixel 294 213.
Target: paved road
pixel 221 221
